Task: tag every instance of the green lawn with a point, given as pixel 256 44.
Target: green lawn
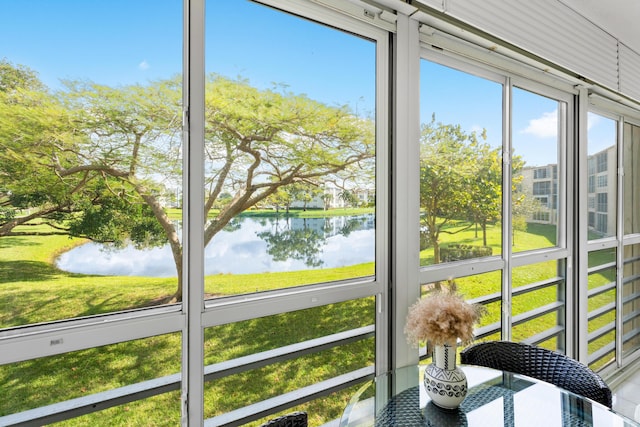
pixel 34 291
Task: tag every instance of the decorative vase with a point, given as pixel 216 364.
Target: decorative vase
pixel 445 383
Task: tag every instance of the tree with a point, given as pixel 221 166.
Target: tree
pixel 486 189
pixel 260 141
pixel 119 145
pixel 449 167
pixel 348 198
pixel 34 125
pixel 14 78
pixel 299 243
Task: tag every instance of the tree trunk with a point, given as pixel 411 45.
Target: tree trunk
pixel 484 233
pixel 172 236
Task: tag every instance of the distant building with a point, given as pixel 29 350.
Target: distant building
pixel 541 183
pixel 601 182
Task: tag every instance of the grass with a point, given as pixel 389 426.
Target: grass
pixel 33 291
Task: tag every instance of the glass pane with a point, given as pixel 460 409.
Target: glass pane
pixel 90 168
pixel 631 300
pixel 83 374
pixel 252 337
pixel 460 165
pixel 536 287
pixel 602 307
pixel 537 139
pixel 485 289
pixel 631 177
pixel 290 177
pixel 602 167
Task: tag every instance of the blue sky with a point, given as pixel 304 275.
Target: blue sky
pixel 118 42
pixel 109 41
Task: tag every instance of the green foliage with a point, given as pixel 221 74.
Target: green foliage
pixel 7 214
pixel 16 77
pixel 278 147
pixel 457 252
pixel 302 244
pixel 451 162
pixel 92 156
pixel 117 221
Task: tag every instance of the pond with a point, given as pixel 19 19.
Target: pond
pixel 246 245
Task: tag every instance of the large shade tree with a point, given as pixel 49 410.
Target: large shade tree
pixel 36 130
pixel 121 147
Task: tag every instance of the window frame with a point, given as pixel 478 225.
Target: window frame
pixel 515 76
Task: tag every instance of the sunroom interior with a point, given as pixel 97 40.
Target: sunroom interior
pixel 360 152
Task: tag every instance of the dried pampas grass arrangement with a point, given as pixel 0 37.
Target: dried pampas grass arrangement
pixel 442 318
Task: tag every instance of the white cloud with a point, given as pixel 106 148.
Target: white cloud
pixel 545 126
pixel 144 65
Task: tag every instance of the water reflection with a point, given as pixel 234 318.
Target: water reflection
pixel 247 245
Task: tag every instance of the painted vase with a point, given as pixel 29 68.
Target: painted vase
pixel 445 383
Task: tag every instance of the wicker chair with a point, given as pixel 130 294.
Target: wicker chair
pixel 539 363
pixel 294 419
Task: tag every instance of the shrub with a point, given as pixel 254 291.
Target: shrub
pixel 457 252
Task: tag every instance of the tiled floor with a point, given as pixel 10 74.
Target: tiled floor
pixel 626 396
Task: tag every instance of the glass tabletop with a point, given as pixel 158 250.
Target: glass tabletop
pixel 495 398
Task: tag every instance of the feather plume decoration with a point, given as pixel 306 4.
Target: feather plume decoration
pixel 442 317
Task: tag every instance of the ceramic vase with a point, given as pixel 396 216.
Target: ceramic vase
pixel 445 383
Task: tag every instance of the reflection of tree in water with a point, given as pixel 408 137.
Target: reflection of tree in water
pixel 354 224
pixel 302 244
pixel 302 239
pixel 234 224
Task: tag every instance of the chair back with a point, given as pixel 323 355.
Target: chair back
pixel 294 419
pixel 539 363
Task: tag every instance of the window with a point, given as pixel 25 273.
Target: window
pixel 291 181
pixel 541 188
pixel 601 152
pixel 145 364
pixel 602 181
pixel 537 141
pixel 540 173
pixel 290 172
pixel 601 161
pixel 631 301
pixel 460 166
pixel 102 195
pixel 631 192
pixel 602 202
pixel 602 307
pixel 449 234
pixel 284 141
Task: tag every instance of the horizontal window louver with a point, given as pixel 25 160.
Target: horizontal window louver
pixel 629 74
pixel 548 29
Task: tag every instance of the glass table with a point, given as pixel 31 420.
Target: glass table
pixel 495 398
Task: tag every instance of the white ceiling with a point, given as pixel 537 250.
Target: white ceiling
pixel 620 18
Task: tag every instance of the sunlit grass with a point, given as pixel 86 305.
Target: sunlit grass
pixel 33 290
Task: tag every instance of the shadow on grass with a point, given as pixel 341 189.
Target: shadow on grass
pixel 26 271
pixel 545 230
pixel 83 372
pixel 12 242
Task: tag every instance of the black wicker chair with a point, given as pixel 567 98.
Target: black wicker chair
pixel 539 363
pixel 294 419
